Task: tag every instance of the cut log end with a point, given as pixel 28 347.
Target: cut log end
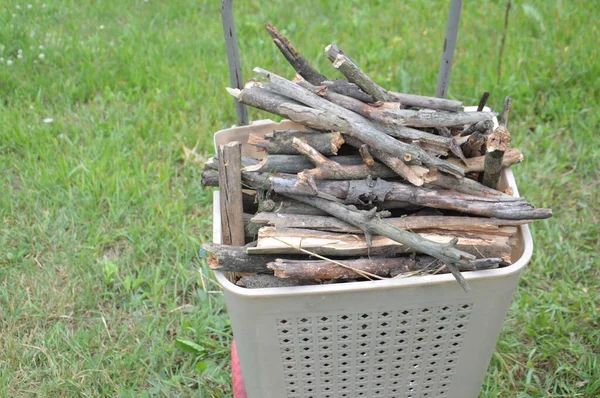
pixel 499 140
pixel 234 92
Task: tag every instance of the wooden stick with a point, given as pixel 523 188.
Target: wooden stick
pixel 354 74
pixel 483 101
pixel 511 156
pixel 281 142
pixel 348 89
pixel 227 258
pixel 481 127
pixel 293 164
pixel 429 118
pixel 362 192
pixel 230 186
pixel 283 205
pixel 231 201
pixel 213 162
pixel 435 179
pixel 293 56
pixel 497 144
pixel 419 101
pixel 324 270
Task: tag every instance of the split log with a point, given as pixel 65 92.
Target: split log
pixel 269 281
pixel 277 240
pixel 340 119
pixel 497 144
pixel 428 118
pixel 439 224
pixel 476 164
pixel 230 186
pixel 281 142
pixel 394 266
pixel 368 192
pixel 354 74
pixel 231 198
pixel 293 56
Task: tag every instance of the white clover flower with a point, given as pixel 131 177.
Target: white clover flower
pixel 29 6
pixel 18 7
pixel 19 51
pixel 41 47
pixel 41 56
pixel 9 62
pixel 101 26
pixel 19 55
pixel 48 120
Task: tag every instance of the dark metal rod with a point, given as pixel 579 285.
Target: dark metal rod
pixel 448 52
pixel 233 58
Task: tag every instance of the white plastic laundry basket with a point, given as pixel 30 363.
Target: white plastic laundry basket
pixel 414 337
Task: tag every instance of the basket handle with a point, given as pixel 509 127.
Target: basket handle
pixel 235 68
pixel 233 58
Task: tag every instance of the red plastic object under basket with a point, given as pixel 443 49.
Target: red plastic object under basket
pixel 239 390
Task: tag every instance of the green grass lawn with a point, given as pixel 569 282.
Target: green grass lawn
pixel 102 214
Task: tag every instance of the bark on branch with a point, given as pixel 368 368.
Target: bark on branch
pixel 368 192
pixel 354 74
pixel 280 142
pixel 293 56
pixel 386 267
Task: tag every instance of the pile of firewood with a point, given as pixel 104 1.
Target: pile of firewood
pixel 377 185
